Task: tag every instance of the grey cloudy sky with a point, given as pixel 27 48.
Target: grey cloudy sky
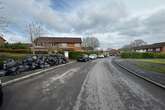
pixel 114 22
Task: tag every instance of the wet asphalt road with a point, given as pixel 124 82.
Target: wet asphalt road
pixel 95 85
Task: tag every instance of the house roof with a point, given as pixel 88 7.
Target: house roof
pixel 155 45
pixel 58 39
pixel 2 38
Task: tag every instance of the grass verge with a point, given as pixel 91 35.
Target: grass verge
pixel 155 65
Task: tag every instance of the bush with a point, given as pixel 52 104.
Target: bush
pixel 75 55
pixel 9 50
pixel 159 55
pixel 147 55
pixel 15 46
pixel 142 55
pixel 5 56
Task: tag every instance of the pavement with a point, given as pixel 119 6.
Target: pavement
pixel 94 85
pixel 154 76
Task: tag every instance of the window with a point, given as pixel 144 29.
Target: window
pixel 157 49
pixel 64 44
pixel 150 50
pixel 77 45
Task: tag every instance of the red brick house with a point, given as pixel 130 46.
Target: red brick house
pixel 114 52
pixel 54 44
pixel 156 47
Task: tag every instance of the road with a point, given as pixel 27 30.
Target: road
pixel 94 85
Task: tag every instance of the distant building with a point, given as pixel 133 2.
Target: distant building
pixel 114 52
pixel 156 47
pixel 53 44
pixel 2 40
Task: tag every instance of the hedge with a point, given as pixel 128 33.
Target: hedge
pixel 5 56
pixel 15 46
pixel 75 55
pixel 9 50
pixel 142 55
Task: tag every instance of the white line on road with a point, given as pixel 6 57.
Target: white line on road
pixel 62 78
pixel 64 74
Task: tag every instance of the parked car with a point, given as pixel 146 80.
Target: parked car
pixel 1 93
pixel 87 57
pixel 101 56
pixel 83 59
pixel 92 56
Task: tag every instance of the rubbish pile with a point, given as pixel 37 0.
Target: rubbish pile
pixel 12 67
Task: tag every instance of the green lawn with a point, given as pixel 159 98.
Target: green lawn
pixel 156 61
pixel 156 65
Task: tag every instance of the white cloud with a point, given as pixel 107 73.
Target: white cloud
pixel 108 20
pixel 15 38
pixel 149 28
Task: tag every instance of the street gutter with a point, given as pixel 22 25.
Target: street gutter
pixel 147 79
pixel 33 74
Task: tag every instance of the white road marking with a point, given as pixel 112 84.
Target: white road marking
pixel 46 85
pixel 71 71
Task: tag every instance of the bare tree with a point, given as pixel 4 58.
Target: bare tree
pixel 135 43
pixel 34 30
pixel 90 42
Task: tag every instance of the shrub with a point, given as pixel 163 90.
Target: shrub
pixel 5 56
pixel 75 55
pixel 159 55
pixel 142 55
pixel 15 46
pixel 147 55
pixel 9 50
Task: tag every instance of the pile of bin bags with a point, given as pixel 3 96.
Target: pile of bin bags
pixel 12 67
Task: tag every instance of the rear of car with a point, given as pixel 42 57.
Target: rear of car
pixel 101 56
pixel 92 56
pixel 82 59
